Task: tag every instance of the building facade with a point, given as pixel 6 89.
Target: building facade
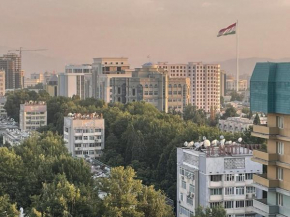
pixel 270 94
pixel 216 177
pixel 231 84
pixel 3 112
pixel 153 85
pixel 84 135
pixel 2 83
pixel 223 81
pixel 11 64
pixel 33 115
pixel 204 82
pixel 109 66
pixel 35 78
pixel 51 86
pixel 14 137
pixel 75 81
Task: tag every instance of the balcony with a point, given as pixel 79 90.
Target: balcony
pixel 261 179
pixel 265 132
pixel 264 157
pixel 261 207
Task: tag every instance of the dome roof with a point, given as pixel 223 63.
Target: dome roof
pixel 148 64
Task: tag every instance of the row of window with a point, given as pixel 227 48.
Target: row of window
pixel 241 177
pixel 35 122
pixel 85 145
pixel 233 190
pixel 174 100
pixel 185 212
pixel 35 113
pixel 92 130
pixel 90 152
pixel 186 173
pixel 87 137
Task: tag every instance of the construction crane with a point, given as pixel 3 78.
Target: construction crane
pixel 20 50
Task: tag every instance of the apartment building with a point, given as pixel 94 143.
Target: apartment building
pixel 11 64
pixel 84 135
pixel 235 124
pixel 108 66
pixel 32 115
pixel 3 112
pixel 2 83
pixel 153 85
pixel 231 84
pixel 223 81
pixel 204 82
pixel 216 176
pixel 35 78
pixel 270 94
pixel 75 81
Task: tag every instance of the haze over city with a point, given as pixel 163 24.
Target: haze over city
pixel 75 31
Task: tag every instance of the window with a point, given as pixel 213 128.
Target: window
pixel 133 92
pixel 189 200
pixel 249 176
pixel 250 189
pixel 230 177
pixel 78 145
pixel 181 196
pixel 119 90
pixel 280 173
pixel 229 204
pixel 280 148
pixel 214 204
pixel 240 203
pixel 279 199
pixel 240 177
pixel 181 171
pixel 230 191
pixel 240 190
pixel 216 191
pixel 191 188
pixel 249 203
pixel 216 178
pixel 183 184
pixel 280 122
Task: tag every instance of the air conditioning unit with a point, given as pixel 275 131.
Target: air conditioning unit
pixel 182 177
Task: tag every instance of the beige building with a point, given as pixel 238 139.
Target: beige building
pixel 51 86
pixel 76 81
pixel 108 66
pixel 84 135
pixel 204 82
pixel 32 115
pixel 153 85
pixel 2 83
pixel 232 84
pixel 35 78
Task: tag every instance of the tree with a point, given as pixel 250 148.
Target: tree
pixel 222 100
pixel 257 120
pixel 197 116
pixel 230 112
pixel 235 96
pixel 126 196
pixel 210 212
pixel 246 110
pixel 6 208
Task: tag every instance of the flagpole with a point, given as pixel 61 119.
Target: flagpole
pixel 237 41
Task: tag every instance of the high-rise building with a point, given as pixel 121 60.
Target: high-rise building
pixel 153 85
pixel 223 81
pixel 106 65
pixel 270 85
pixel 35 78
pixel 11 64
pixel 84 135
pixel 204 82
pixel 33 115
pixel 2 83
pixel 3 112
pixel 75 81
pixel 216 176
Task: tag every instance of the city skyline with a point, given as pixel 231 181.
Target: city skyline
pixel 77 31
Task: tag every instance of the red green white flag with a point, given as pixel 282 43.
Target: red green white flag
pixel 228 31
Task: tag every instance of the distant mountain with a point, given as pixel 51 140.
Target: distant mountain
pixel 246 64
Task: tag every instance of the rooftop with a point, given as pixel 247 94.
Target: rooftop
pixel 79 116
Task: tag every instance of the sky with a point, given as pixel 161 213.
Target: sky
pixel 177 31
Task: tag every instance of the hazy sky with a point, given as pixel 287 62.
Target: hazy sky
pixel 168 30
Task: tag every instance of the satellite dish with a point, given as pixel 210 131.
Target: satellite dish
pixel 222 137
pixel 185 144
pixel 203 138
pixel 214 142
pixel 206 143
pixel 230 142
pixel 190 144
pixel 240 140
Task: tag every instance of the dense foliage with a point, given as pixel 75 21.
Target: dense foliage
pixel 235 96
pixel 137 135
pixel 42 177
pixel 208 212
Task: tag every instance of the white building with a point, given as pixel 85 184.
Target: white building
pixel 3 112
pixel 84 135
pixel 107 66
pixel 216 176
pixel 14 137
pixel 204 82
pixel 235 124
pixel 231 84
pixel 75 81
pixel 32 115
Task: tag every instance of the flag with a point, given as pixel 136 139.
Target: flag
pixel 228 31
